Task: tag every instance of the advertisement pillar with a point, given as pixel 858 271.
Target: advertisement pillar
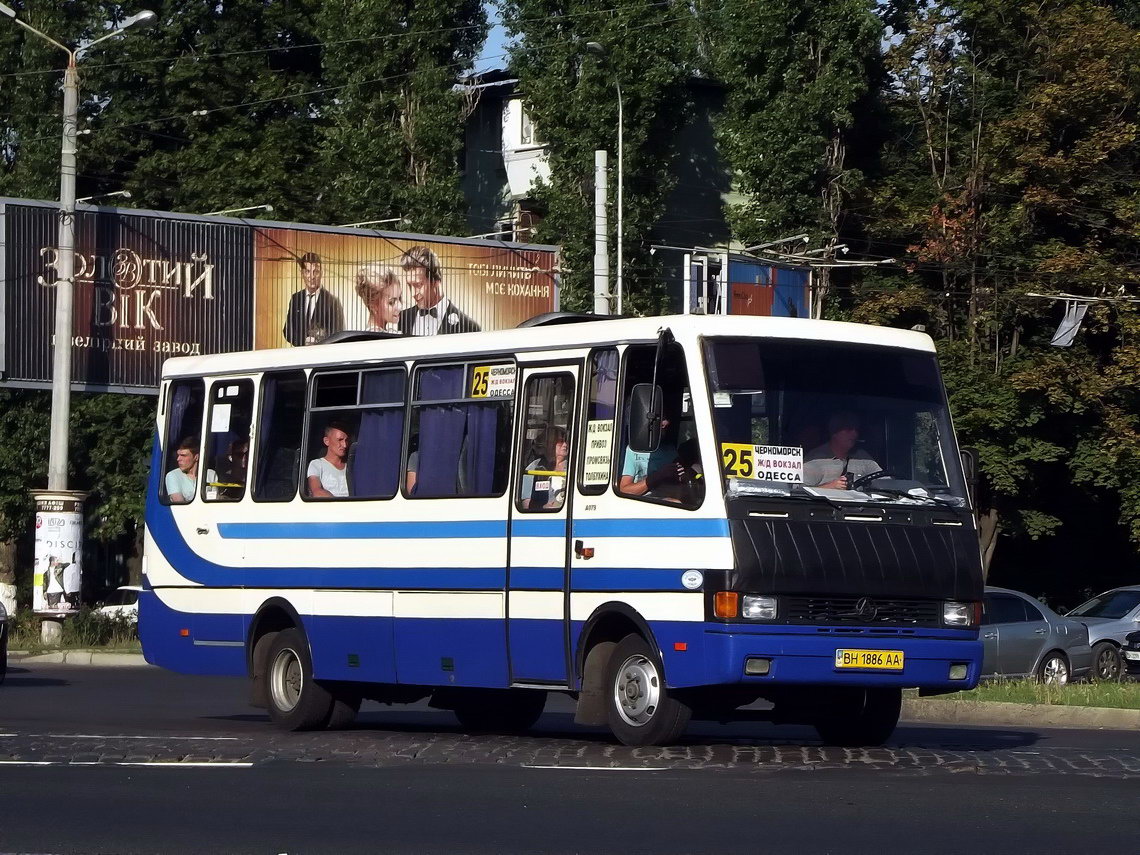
pixel 58 576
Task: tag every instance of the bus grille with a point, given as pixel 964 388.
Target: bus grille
pixel 861 611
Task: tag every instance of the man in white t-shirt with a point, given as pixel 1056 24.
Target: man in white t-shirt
pixel 181 481
pixel 328 476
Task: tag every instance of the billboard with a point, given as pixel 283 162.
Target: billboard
pixel 311 284
pixel 150 285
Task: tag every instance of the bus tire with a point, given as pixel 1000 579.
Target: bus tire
pixel 860 717
pixel 296 700
pixel 640 709
pixel 498 711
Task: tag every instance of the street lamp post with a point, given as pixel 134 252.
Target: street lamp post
pixel 600 50
pixel 58 500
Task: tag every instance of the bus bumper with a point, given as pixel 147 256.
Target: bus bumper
pixel 730 654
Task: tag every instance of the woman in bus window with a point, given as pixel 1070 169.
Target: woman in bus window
pixel 542 486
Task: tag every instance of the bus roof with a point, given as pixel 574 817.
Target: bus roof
pixel 558 337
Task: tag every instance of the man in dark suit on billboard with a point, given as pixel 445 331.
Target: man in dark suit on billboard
pixel 314 313
pixel 433 313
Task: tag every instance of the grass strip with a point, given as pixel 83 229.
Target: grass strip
pixel 1124 695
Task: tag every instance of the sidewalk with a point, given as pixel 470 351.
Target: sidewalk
pixel 76 657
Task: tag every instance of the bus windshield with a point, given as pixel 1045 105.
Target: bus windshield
pixel 849 420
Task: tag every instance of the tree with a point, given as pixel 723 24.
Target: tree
pixel 572 100
pixel 394 130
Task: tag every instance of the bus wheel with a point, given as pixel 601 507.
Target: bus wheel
pixel 497 711
pixel 345 706
pixel 859 717
pixel 296 700
pixel 640 710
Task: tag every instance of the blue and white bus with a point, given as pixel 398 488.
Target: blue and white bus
pixel 664 518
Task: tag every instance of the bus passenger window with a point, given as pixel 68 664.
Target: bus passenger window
pixel 226 452
pixel 601 404
pixel 460 435
pixel 545 450
pixel 673 472
pixel 279 434
pixel 182 449
pixel 356 429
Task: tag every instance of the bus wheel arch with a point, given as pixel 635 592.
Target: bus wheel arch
pixel 600 636
pixel 275 615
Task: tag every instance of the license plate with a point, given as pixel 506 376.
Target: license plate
pixel 880 660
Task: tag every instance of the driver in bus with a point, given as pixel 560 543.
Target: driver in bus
pixel 838 463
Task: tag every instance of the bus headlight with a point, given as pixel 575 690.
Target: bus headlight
pixel 959 614
pixel 757 607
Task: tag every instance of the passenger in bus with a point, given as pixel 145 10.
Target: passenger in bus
pixel 232 469
pixel 410 478
pixel 328 476
pixel 644 471
pixel 542 486
pixel 382 293
pixel 433 313
pixel 181 481
pixel 839 462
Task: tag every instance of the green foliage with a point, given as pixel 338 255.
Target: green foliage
pixel 796 73
pixel 84 628
pixel 571 97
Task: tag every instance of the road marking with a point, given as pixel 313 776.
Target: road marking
pixel 167 763
pixel 126 736
pixel 602 768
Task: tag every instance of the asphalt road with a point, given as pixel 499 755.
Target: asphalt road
pixel 139 760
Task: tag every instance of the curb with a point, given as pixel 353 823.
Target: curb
pixel 78 657
pixel 1023 715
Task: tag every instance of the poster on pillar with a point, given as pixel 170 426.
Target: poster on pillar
pixel 147 288
pixel 57 576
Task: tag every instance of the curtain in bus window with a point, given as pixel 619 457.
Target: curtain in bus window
pixel 440 441
pixel 376 462
pixel 268 411
pixel 606 368
pixel 179 403
pixel 482 430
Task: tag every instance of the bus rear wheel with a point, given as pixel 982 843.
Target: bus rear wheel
pixel 860 717
pixel 296 700
pixel 640 709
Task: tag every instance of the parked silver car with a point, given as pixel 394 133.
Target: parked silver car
pixel 1109 616
pixel 1021 637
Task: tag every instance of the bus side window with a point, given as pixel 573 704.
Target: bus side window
pixel 601 405
pixel 279 433
pixel 226 451
pixel 181 450
pixel 545 452
pixel 672 473
pixel 461 430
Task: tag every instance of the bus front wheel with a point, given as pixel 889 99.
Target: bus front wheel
pixel 860 717
pixel 640 709
pixel 296 700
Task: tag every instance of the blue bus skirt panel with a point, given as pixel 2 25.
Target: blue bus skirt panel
pixel 203 649
pixel 810 659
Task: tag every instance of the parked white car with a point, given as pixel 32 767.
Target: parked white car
pixel 123 603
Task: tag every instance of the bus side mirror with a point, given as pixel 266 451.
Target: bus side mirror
pixel 970 471
pixel 645 417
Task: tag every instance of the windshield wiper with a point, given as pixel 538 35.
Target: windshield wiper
pixel 904 494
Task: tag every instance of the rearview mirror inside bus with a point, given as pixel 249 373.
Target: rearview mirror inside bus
pixel 645 417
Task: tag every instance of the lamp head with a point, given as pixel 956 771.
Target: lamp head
pixel 145 18
pixel 7 10
pixel 596 48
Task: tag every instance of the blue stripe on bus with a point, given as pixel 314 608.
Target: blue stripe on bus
pixel 651 528
pixel 530 527
pixel 625 579
pixel 538 578
pixel 370 530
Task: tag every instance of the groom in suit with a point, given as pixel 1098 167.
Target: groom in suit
pixel 314 313
pixel 433 313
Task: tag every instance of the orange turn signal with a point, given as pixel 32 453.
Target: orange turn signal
pixel 726 604
pixel 185 633
pixel 681 645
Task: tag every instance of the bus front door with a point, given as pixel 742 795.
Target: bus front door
pixel 537 618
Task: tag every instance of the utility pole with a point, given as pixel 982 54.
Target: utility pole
pixel 601 236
